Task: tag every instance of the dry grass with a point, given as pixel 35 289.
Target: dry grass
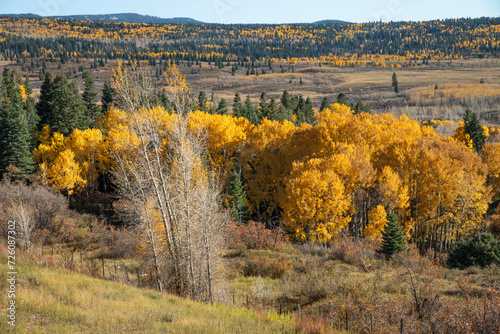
pixel 60 301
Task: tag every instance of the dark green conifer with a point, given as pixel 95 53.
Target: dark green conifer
pixel 393 240
pixel 237 199
pixel 475 130
pixel 89 96
pixel 107 97
pixel 14 135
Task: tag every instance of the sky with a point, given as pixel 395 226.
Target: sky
pixel 265 11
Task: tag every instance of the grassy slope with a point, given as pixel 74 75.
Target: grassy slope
pixel 59 301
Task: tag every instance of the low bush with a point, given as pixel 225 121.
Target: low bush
pixel 255 235
pixel 483 250
pixel 265 267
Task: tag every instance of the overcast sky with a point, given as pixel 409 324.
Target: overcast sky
pixel 265 11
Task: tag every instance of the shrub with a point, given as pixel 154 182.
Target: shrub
pixel 265 267
pixel 255 235
pixel 34 208
pixel 483 250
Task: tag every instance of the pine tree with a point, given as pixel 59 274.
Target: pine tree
pixel 202 102
pixel 475 130
pixel 271 108
pixel 237 106
pixel 343 99
pixel 30 114
pixel 325 104
pixel 14 135
pixel 250 112
pixel 286 100
pixel 222 107
pixel 107 96
pixel 264 106
pixel 68 111
pixel 395 82
pixel 237 199
pixel 89 96
pixel 43 106
pixel 360 107
pixel 309 112
pixel 393 240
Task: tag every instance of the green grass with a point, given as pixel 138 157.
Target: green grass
pixel 52 300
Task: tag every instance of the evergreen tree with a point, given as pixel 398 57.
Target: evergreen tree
pixel 271 108
pixel 89 96
pixel 107 96
pixel 68 111
pixel 250 112
pixel 237 199
pixel 286 101
pixel 393 240
pixel 14 135
pixel 202 102
pixel 299 110
pixel 395 82
pixel 281 114
pixel 360 107
pixel 264 106
pixel 222 107
pixel 325 104
pixel 30 113
pixel 475 130
pixel 43 106
pixel 309 112
pixel 342 99
pixel 237 106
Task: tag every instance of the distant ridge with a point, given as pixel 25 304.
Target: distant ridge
pixel 139 18
pixel 331 21
pixel 121 17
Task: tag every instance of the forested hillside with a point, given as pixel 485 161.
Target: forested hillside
pixel 446 39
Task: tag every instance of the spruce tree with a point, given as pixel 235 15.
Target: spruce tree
pixel 43 106
pixel 202 102
pixel 222 107
pixel 343 99
pixel 30 114
pixel 271 108
pixel 473 127
pixel 325 104
pixel 237 106
pixel 264 106
pixel 286 100
pixel 237 199
pixel 395 82
pixel 68 111
pixel 14 135
pixel 393 240
pixel 250 112
pixel 107 97
pixel 89 96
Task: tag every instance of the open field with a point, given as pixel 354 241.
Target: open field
pixel 370 84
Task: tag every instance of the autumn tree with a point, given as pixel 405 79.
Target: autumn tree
pixel 161 172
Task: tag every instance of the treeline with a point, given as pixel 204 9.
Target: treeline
pixel 216 42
